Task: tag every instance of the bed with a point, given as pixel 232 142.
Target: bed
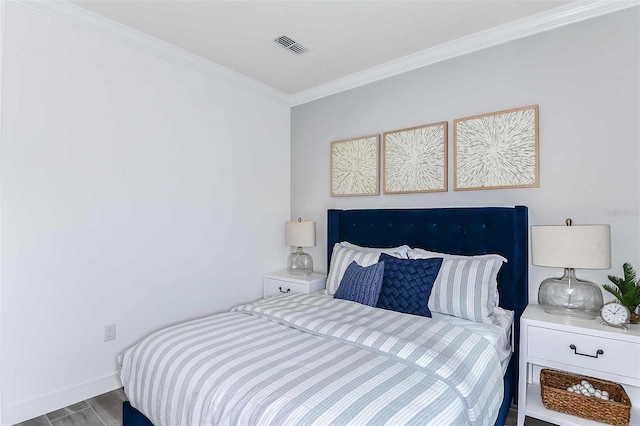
pixel 463 231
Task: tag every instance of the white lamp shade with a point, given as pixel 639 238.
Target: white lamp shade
pixel 578 246
pixel 300 233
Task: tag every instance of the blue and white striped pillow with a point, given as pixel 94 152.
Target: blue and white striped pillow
pixel 462 288
pixel 344 253
pixel 361 284
pixel 492 299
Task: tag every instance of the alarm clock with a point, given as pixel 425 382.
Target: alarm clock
pixel 615 314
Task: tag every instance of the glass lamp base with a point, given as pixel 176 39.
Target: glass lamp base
pixel 571 312
pixel 569 296
pixel 300 263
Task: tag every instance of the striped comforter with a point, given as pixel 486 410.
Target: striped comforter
pixel 311 359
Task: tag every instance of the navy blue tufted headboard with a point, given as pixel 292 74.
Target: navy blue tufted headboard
pixel 467 231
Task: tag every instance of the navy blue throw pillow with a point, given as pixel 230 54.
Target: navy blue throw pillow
pixel 407 284
pixel 361 283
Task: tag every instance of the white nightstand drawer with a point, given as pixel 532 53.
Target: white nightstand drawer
pixel 272 287
pixel 283 282
pixel 583 351
pixel 545 342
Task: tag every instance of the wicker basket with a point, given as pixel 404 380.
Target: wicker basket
pixel 616 411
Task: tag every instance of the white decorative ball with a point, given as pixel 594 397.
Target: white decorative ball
pixel 570 389
pixel 605 393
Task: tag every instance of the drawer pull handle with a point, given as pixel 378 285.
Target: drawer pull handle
pixel 575 351
pixel 282 291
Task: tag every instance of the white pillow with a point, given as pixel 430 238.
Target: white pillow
pixel 400 250
pixel 466 286
pixel 344 253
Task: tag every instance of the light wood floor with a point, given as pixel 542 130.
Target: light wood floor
pixel 106 410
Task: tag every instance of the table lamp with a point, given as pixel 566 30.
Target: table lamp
pixel 570 247
pixel 300 233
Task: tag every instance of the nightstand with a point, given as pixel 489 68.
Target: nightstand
pixel 572 345
pixel 284 282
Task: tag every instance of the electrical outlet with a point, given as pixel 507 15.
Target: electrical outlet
pixel 109 332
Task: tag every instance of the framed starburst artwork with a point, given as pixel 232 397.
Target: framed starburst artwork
pixel 415 159
pixel 355 166
pixel 497 150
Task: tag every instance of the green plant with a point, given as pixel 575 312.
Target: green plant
pixel 627 289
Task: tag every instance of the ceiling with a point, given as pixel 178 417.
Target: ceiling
pixel 344 38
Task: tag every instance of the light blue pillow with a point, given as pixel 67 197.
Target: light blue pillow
pixel 361 284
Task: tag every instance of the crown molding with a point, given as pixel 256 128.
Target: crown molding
pixel 80 17
pixel 564 15
pixel 545 21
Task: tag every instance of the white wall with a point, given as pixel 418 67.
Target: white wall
pixel 135 191
pixel 2 27
pixel 585 79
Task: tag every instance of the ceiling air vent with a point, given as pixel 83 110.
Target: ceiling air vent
pixel 291 45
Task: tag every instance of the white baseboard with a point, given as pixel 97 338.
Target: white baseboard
pixel 60 399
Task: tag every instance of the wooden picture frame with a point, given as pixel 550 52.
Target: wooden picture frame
pixel 415 159
pixel 498 150
pixel 355 166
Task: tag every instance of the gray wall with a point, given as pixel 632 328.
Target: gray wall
pixel 583 76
